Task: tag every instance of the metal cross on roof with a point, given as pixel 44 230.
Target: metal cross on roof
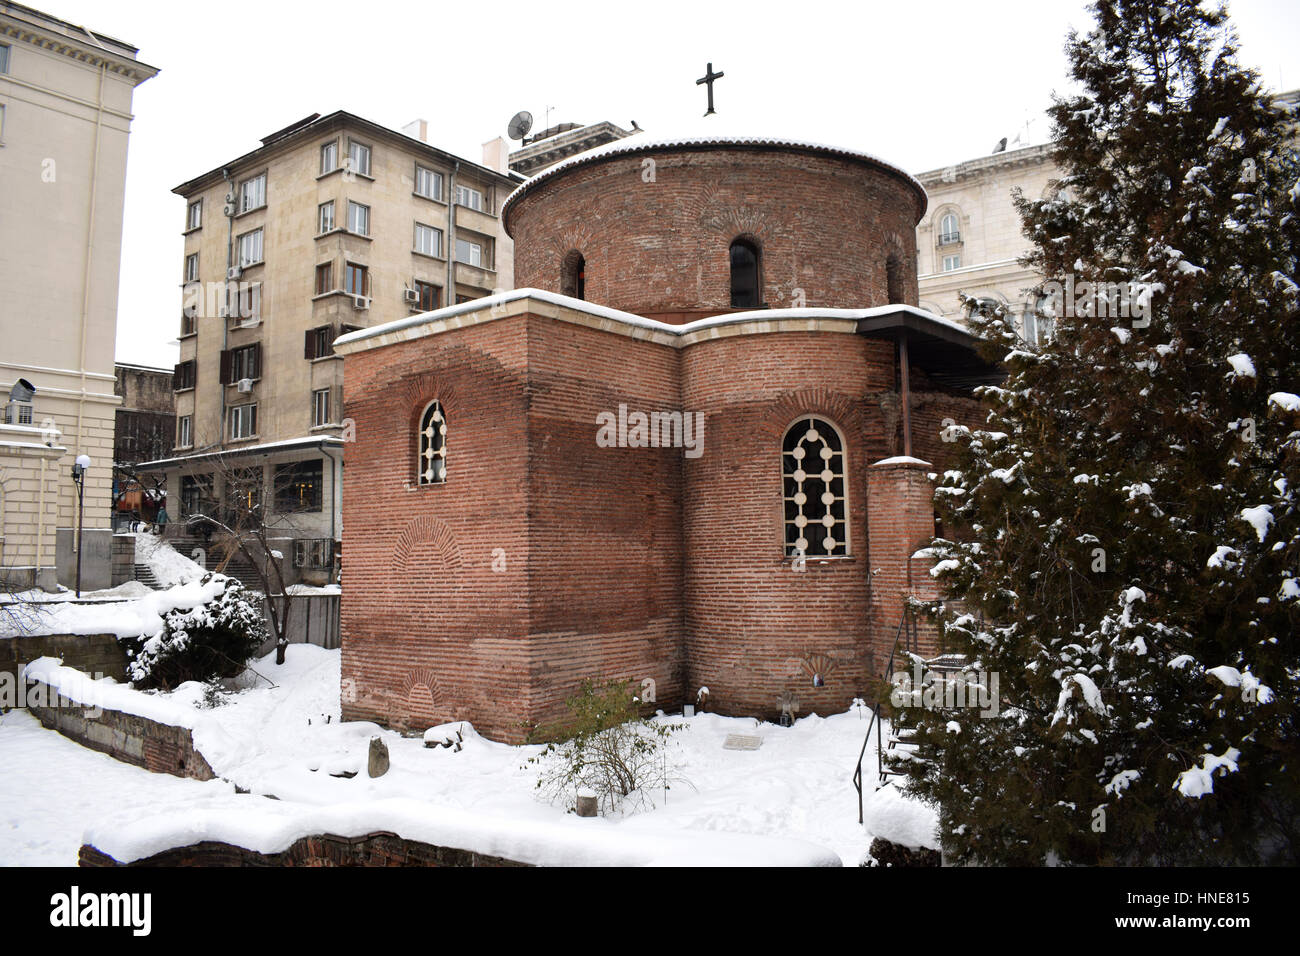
pixel 708 77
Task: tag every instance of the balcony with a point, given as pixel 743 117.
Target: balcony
pixel 949 238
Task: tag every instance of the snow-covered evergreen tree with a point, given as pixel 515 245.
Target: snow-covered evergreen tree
pixel 1130 558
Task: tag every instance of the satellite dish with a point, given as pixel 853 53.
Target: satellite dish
pixel 520 124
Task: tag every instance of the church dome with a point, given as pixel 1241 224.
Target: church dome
pixel 661 225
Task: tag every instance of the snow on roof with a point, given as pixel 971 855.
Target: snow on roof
pixel 709 131
pixel 903 460
pixel 773 316
pixel 287 444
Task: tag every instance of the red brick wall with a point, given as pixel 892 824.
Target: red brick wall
pixel 824 224
pixel 752 620
pixel 430 632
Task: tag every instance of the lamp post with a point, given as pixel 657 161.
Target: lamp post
pixel 79 476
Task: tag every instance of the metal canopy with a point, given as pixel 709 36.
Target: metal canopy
pixel 946 354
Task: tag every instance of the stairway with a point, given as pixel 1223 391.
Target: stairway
pixel 146 577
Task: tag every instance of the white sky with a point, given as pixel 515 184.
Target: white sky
pixel 921 83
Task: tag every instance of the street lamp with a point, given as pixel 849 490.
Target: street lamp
pixel 79 476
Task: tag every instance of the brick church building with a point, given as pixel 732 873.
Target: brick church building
pixel 692 447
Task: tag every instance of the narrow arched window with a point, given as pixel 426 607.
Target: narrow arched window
pixel 894 279
pixel 744 275
pixel 573 275
pixel 949 230
pixel 816 506
pixel 431 462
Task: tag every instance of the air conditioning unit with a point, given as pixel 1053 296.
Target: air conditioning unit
pixel 245 385
pixel 412 297
pixel 234 272
pixel 360 302
pixel 230 208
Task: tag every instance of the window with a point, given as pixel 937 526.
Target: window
pixel 194 215
pixel 894 279
pixel 320 407
pixel 183 376
pixel 189 323
pixel 250 248
pixel 428 295
pixel 4 58
pixel 1037 327
pixel 812 470
pixel 329 157
pixel 298 486
pixel 469 252
pixel 196 495
pixel 744 275
pixel 243 494
pixel 192 267
pixel 469 197
pixel 573 275
pixel 247 303
pixel 185 431
pixel 324 278
pixel 431 460
pixel 951 263
pixel 241 363
pixel 252 193
pixel 428 183
pixel 358 218
pixel 358 157
pixel 2 122
pixel 319 342
pixel 949 231
pixel 317 553
pixel 325 217
pixel 428 240
pixel 356 280
pixel 243 421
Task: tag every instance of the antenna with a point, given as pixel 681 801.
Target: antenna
pixel 520 124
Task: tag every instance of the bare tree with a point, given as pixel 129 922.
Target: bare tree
pixel 241 523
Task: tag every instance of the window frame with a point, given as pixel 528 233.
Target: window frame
pixel 329 144
pixel 476 246
pixel 261 247
pixel 420 287
pixel 437 237
pixel 368 153
pixel 285 476
pixel 194 215
pixel 325 269
pixel 243 193
pixel 950 237
pixel 437 178
pixel 432 411
pixel 745 242
pixel 954 258
pixel 365 279
pixel 184 431
pixel 5 58
pixel 353 204
pixel 192 267
pixel 482 206
pixel 815 420
pixel 246 415
pixel 321 228
pixel 317 419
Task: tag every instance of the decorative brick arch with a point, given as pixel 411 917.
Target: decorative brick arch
pixel 422 696
pixel 426 530
pixel 839 409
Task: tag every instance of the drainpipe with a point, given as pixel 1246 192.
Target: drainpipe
pixel 451 236
pixel 336 491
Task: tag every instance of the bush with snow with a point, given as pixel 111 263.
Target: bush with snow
pixel 212 639
pixel 607 749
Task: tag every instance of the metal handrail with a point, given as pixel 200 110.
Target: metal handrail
pixel 875 714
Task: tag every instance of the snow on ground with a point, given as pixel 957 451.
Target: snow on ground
pixel 125 618
pixel 168 565
pixel 279 734
pixel 51 788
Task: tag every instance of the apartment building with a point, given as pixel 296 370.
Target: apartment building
pixel 334 223
pixel 65 118
pixel 970 240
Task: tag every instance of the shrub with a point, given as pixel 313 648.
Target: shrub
pixel 203 643
pixel 607 749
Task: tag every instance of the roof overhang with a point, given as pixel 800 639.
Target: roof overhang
pixel 947 353
pixel 265 450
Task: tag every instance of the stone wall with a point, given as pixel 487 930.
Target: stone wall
pixel 372 849
pixel 93 654
pixel 129 738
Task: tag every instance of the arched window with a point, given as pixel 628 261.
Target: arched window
pixel 744 275
pixel 894 279
pixel 431 462
pixel 573 275
pixel 813 475
pixel 949 229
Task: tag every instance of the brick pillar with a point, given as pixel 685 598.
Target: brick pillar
pixel 900 520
